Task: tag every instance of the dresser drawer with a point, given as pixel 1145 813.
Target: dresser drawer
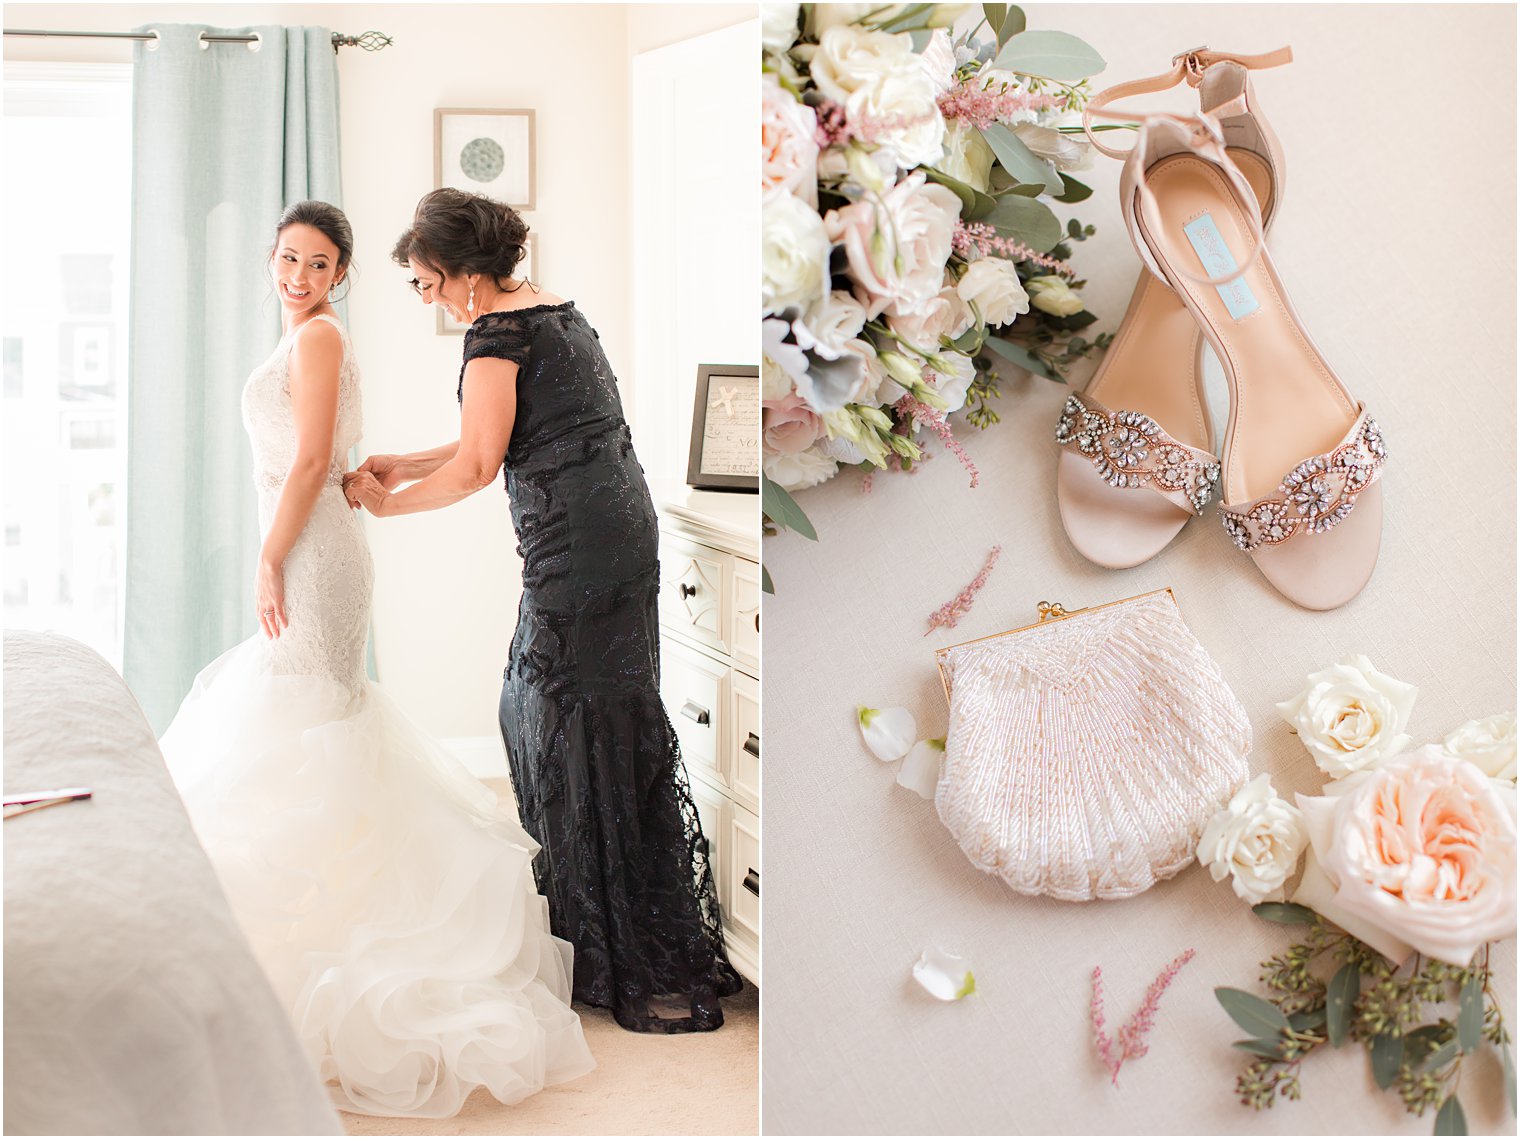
pixel 745 768
pixel 742 857
pixel 712 810
pixel 746 622
pixel 693 585
pixel 695 689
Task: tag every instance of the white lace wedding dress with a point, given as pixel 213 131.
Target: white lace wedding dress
pixel 389 897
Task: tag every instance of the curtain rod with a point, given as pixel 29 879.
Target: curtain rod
pixel 369 41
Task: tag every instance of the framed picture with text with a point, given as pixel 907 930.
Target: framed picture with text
pixel 725 429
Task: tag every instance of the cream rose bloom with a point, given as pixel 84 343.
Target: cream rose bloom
pixel 946 316
pixel 830 324
pixel 778 26
pixel 1418 853
pixel 1351 716
pixel 794 253
pixel 850 58
pixel 800 471
pixel 992 285
pixel 1053 295
pixel 1488 744
pixel 885 90
pixel 1256 841
pixel 897 245
pixel 788 146
pixel 967 158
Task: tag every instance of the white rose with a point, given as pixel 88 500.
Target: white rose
pixel 992 285
pixel 786 359
pixel 1053 295
pixel 794 253
pixel 1351 716
pixel 898 245
pixel 1068 152
pixel 788 146
pixel 800 471
pixel 953 384
pixel 947 316
pixel 900 115
pixel 1487 744
pixel 967 158
pixel 850 58
pixel 778 26
pixel 1256 841
pixel 829 324
pixel 938 60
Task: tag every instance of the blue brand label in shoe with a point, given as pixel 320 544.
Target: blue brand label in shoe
pixel 1217 260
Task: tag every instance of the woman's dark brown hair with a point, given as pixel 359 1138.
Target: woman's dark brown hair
pixel 456 233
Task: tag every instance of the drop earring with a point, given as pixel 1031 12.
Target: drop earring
pixel 470 304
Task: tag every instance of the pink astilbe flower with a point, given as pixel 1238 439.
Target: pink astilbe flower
pixel 865 483
pixel 986 241
pixel 836 128
pixel 1132 1043
pixel 921 412
pixel 981 107
pixel 946 616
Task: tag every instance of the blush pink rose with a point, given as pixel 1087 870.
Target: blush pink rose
pixel 897 244
pixel 1418 853
pixel 788 150
pixel 790 425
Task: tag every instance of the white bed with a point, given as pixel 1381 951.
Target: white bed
pixel 132 1002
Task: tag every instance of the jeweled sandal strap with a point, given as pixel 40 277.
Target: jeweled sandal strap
pixel 1314 496
pixel 1131 450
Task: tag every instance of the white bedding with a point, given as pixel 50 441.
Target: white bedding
pixel 132 1002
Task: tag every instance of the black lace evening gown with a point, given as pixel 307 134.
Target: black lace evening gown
pixel 595 762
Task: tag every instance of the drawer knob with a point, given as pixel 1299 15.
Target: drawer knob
pixel 752 881
pixel 695 712
pixel 687 591
pixel 752 745
pixel 757 622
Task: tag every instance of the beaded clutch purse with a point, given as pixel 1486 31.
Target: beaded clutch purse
pixel 1087 752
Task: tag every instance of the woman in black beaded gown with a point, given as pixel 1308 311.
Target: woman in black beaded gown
pixel 595 763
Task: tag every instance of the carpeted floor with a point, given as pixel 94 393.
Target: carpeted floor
pixel 700 1083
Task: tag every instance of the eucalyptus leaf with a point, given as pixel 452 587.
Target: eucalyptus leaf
pixel 913 16
pixel 996 14
pixel 782 509
pixel 1272 1050
pixel 1387 1055
pixel 1470 1013
pixel 1307 1021
pixel 1076 322
pixel 766 584
pixel 1074 191
pixel 970 341
pixel 1284 913
pixel 1022 357
pixel 1340 995
pixel 1019 160
pixel 1012 25
pixel 1258 1017
pixel 1049 54
pixel 1450 1120
pixel 1028 220
pixel 1028 189
pixel 921 38
pixel 1440 1057
pixel 1507 1060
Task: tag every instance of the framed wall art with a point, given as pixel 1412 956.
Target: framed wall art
pixel 725 429
pixel 528 266
pixel 485 152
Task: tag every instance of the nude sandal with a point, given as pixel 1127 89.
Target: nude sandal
pixel 1313 531
pixel 1142 421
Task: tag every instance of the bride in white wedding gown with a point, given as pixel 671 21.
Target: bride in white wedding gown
pixel 388 896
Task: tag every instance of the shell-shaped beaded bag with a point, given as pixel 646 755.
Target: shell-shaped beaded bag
pixel 1087 752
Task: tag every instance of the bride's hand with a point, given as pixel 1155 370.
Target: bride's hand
pixel 269 598
pixel 364 489
pixel 388 469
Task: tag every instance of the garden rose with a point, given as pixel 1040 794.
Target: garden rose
pixel 946 316
pixel 794 253
pixel 851 58
pixel 897 246
pixel 1418 853
pixel 992 285
pixel 788 146
pixel 789 425
pixel 778 26
pixel 1351 716
pixel 1255 841
pixel 1487 744
pixel 830 324
pixel 800 471
pixel 1053 295
pixel 901 117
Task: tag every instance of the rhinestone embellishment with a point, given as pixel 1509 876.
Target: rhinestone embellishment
pixel 1129 449
pixel 1314 496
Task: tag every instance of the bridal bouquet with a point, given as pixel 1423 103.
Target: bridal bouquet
pixel 1411 855
pixel 908 251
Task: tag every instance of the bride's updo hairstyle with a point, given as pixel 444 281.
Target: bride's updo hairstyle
pixel 457 233
pixel 326 219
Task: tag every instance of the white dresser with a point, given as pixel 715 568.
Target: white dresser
pixel 709 679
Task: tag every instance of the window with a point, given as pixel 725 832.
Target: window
pixel 65 337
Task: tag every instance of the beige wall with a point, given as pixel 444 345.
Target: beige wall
pixel 447 583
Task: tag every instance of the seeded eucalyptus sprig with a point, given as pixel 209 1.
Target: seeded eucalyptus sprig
pixel 1369 1000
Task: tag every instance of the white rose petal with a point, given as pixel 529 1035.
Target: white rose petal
pixel 800 471
pixel 794 253
pixel 920 767
pixel 897 246
pixel 938 60
pixel 1068 152
pixel 1256 841
pixel 778 26
pixel 992 285
pixel 788 143
pixel 1487 744
pixel 944 975
pixel 945 317
pixel 1351 716
pixel 830 324
pixel 888 732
